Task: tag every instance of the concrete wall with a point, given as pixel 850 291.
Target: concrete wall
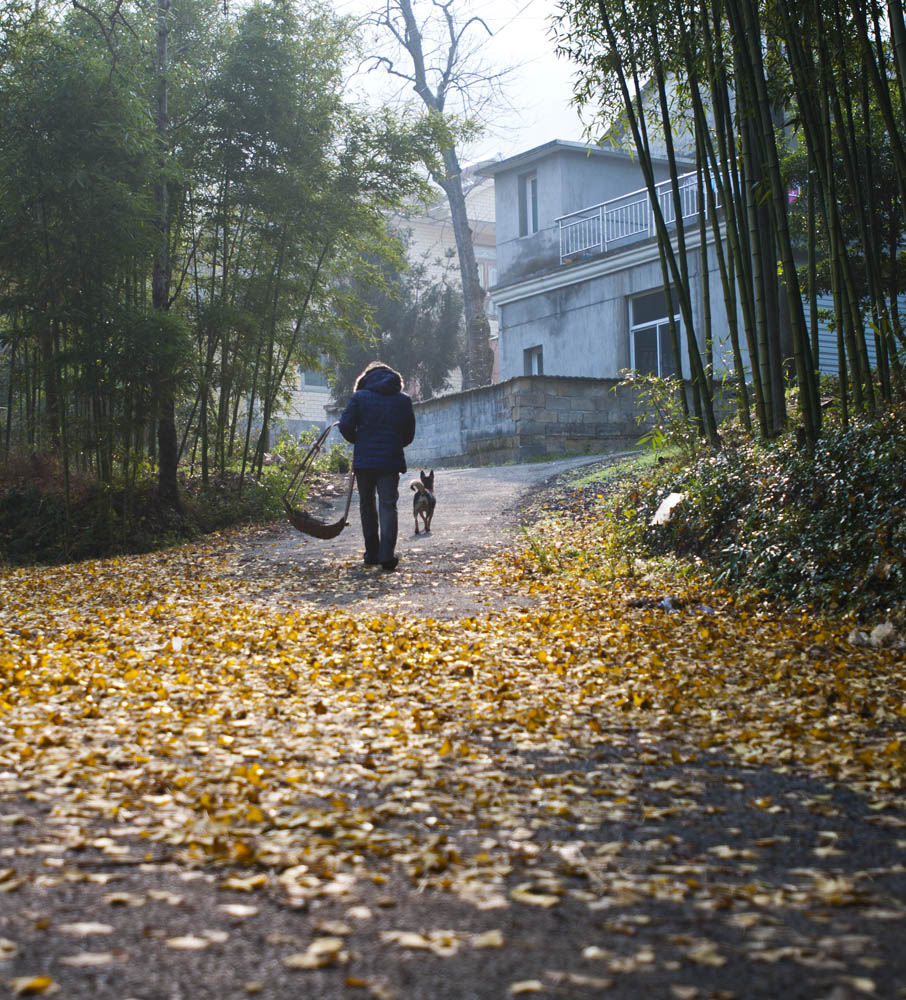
pixel 579 314
pixel 570 178
pixel 524 418
pixel 583 327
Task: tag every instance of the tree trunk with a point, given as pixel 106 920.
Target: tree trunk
pixel 479 359
pixel 167 441
pixel 748 31
pixel 478 352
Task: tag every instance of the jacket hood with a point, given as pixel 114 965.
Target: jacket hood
pixel 380 378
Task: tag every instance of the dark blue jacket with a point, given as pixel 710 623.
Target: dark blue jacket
pixel 379 421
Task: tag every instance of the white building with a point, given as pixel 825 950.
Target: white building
pixel 430 240
pixel 580 288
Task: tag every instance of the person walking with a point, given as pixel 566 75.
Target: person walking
pixel 380 422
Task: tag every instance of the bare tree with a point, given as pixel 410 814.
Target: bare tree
pixel 439 58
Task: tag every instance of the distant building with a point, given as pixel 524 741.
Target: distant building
pixel 431 240
pixel 580 289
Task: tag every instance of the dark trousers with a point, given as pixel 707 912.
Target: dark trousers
pixel 378 493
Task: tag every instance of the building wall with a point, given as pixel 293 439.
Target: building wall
pixel 522 419
pixel 307 407
pixel 828 362
pixel 570 177
pixel 431 231
pixel 579 314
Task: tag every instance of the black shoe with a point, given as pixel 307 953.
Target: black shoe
pixel 389 565
pixel 368 561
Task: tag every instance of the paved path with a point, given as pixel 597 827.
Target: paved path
pixel 477 514
pixel 642 861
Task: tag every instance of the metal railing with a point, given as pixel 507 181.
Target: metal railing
pixel 623 220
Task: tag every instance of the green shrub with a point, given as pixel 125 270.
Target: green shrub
pixel 826 528
pixel 661 412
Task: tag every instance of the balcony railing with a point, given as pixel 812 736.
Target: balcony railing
pixel 623 220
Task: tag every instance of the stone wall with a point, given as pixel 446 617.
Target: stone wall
pixel 530 417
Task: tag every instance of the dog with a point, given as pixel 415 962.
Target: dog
pixel 424 501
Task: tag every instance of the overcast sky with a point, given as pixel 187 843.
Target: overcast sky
pixel 538 88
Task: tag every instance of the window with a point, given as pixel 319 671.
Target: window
pixel 650 343
pixel 312 379
pixel 528 204
pixel 487 274
pixel 533 361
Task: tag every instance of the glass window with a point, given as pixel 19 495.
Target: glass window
pixel 311 378
pixel 650 307
pixel 650 340
pixel 645 350
pixel 533 361
pixel 528 204
pixel 668 361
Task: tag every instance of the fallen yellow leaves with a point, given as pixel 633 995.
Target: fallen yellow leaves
pixel 307 752
pixel 196 942
pixel 26 986
pixel 321 953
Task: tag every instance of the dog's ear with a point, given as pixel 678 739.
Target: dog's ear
pixel 427 478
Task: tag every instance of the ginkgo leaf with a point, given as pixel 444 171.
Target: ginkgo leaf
pixel 320 953
pixel 89 959
pixel 862 984
pixel 188 942
pixel 488 939
pixel 124 899
pixel 249 884
pixel 442 943
pixel 527 895
pixel 578 979
pixel 333 928
pixel 25 986
pixel 238 910
pixel 524 986
pixel 85 928
pixel 706 953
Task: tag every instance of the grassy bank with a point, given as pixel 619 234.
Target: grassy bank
pixel 823 530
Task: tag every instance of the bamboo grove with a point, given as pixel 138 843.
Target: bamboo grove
pixel 794 113
pixel 186 201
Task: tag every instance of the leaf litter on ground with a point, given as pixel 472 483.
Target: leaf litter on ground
pixel 575 747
